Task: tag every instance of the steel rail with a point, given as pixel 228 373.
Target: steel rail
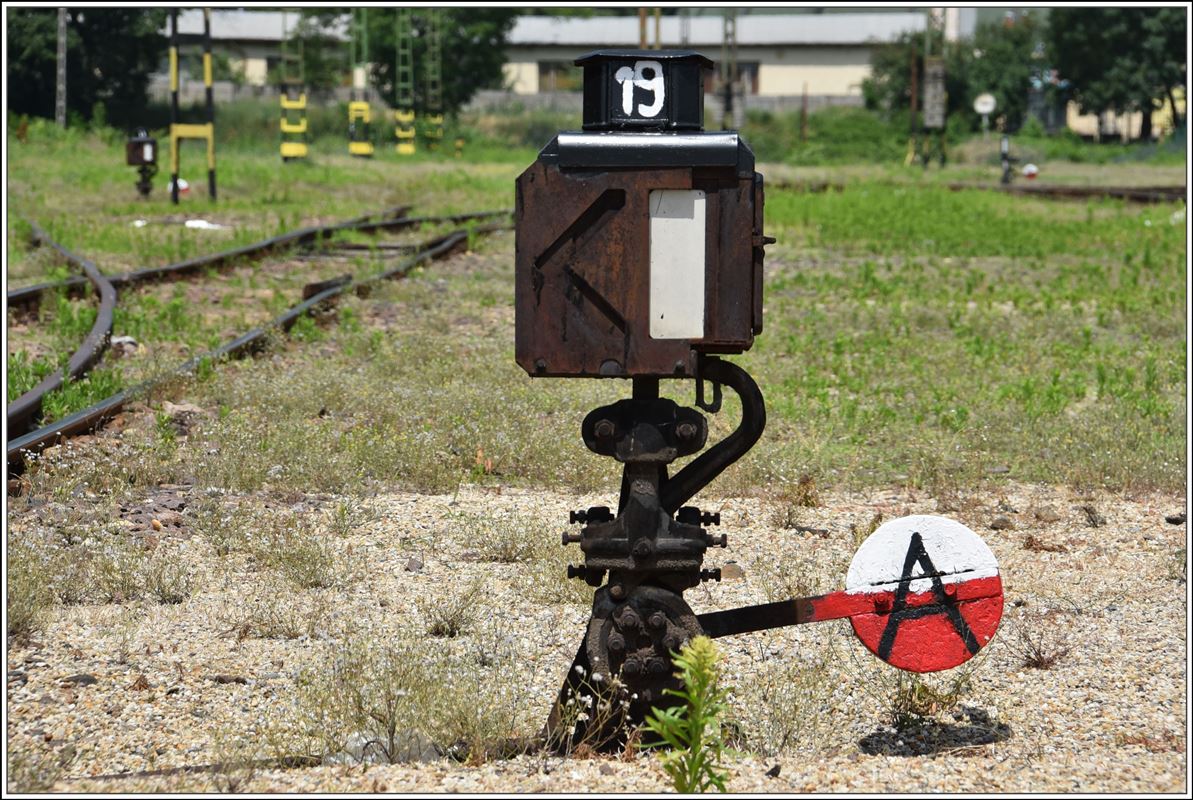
pixel 28 295
pixel 1132 194
pixel 95 416
pixel 22 411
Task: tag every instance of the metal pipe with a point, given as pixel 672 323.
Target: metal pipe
pixel 712 462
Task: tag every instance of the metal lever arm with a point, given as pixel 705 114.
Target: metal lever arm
pixel 681 486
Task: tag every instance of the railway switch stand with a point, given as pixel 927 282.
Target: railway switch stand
pixel 638 255
pixel 140 151
pixel 1008 161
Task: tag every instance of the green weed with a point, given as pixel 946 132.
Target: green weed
pixel 692 730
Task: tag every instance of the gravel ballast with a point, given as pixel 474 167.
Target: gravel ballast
pixel 139 686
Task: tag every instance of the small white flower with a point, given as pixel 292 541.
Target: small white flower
pixel 579 670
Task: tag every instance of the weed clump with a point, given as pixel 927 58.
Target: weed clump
pixel 692 730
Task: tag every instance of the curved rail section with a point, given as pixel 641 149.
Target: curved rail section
pixel 94 417
pixel 27 407
pixel 392 219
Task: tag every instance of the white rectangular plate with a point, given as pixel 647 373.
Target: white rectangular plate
pixel 677 250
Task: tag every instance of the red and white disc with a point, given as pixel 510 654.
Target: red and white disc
pixel 935 589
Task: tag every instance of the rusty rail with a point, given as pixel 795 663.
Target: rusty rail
pixel 94 417
pixel 1132 194
pixel 28 295
pixel 22 411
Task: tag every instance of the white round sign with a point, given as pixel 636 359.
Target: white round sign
pixel 936 590
pixel 984 103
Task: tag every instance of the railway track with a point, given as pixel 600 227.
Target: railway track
pixel 391 220
pixel 23 410
pixel 317 294
pixel 1132 194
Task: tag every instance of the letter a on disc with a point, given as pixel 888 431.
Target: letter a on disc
pixel 936 590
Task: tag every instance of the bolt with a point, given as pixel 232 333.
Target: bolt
pixel 883 604
pixel 576 572
pixel 616 642
pixel 577 516
pixel 568 538
pixel 642 548
pixel 711 574
pixel 629 619
pixel 950 589
pixel 631 667
pixel 711 518
pixel 673 641
pixel 657 666
pixel 685 430
pixel 716 541
pixel 617 591
pixel 540 366
pixel 658 620
pixel 604 429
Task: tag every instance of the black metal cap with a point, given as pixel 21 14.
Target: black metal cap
pixel 659 90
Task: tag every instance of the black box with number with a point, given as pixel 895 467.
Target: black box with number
pixel 643 89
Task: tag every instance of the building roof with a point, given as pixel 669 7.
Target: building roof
pixel 771 30
pixel 239 25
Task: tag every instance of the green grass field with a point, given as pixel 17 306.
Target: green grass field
pixel 913 334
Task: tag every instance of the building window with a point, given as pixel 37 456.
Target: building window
pixel 560 76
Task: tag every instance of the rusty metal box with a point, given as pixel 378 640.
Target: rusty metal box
pixel 637 250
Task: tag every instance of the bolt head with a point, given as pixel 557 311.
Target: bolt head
pixel 617 591
pixel 657 666
pixel 604 429
pixel 631 667
pixel 658 620
pixel 642 548
pixel 616 642
pixel 629 619
pixel 685 430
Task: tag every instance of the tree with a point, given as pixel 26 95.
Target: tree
pixel 1119 59
pixel 110 53
pixel 888 87
pixel 1005 57
pixel 472 42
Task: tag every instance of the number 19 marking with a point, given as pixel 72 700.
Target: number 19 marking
pixel 647 75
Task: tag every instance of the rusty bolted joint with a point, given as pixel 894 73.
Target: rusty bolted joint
pixel 595 514
pixel 690 515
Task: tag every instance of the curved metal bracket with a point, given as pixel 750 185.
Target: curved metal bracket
pixel 681 486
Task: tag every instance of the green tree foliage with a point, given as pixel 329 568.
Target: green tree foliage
pixel 888 88
pixel 1119 59
pixel 110 54
pixel 324 57
pixel 1004 58
pixel 473 45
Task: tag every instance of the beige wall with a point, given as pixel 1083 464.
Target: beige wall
pixel 1126 126
pixel 782 70
pixel 782 79
pixel 253 69
pixel 522 76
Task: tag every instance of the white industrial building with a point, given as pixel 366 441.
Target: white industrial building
pixel 779 55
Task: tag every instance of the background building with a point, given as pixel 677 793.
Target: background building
pixel 779 55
